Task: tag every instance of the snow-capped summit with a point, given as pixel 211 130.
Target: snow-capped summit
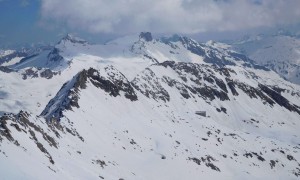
pixel 73 39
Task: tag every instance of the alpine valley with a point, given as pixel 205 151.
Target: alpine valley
pixel 129 109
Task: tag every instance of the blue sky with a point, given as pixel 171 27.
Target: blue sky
pixel 20 22
pixel 48 20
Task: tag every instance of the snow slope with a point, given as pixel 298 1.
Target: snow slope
pixel 126 110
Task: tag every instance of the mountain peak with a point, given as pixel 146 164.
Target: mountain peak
pixel 178 38
pixel 72 38
pixel 147 36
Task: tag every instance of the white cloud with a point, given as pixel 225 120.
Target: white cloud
pixel 167 16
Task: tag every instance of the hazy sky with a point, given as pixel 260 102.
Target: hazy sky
pixel 47 20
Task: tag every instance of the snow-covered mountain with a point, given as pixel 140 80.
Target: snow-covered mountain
pixel 129 109
pixel 279 52
pixel 10 57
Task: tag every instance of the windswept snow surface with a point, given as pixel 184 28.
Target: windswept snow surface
pixel 126 110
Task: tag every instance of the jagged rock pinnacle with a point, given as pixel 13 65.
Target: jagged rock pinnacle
pixel 147 36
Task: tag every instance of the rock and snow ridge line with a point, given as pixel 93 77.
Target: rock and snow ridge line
pixel 144 45
pixel 150 85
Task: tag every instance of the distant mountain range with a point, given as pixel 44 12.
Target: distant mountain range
pixel 279 52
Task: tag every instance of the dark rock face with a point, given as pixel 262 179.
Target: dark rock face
pixel 35 73
pixel 72 39
pixel 254 154
pixel 253 92
pixel 66 98
pixel 199 75
pixel 272 164
pixel 30 73
pixel 147 36
pixel 149 85
pixel 192 46
pixel 207 160
pixel 205 83
pixel 69 95
pixel 47 73
pixel 114 84
pixel 231 86
pixel 202 81
pixel 22 124
pixel 151 58
pixel 221 84
pixel 279 99
pixel 6 69
pixel 54 55
pixel 100 162
pixel 209 93
pixel 81 80
pixel 226 72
